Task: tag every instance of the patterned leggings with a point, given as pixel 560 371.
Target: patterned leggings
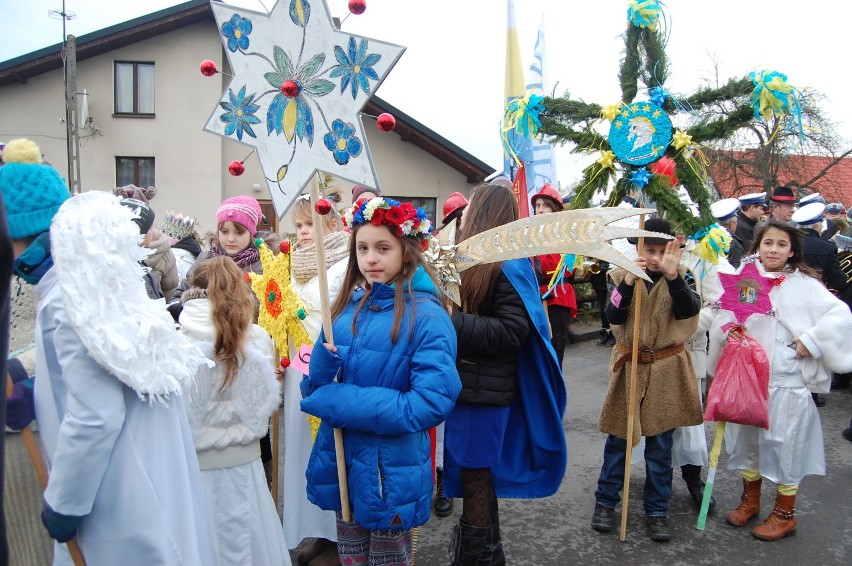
pixel 357 545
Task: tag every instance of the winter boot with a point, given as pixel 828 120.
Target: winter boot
pixel 603 335
pixel 692 476
pixel 610 339
pixel 749 505
pixel 468 543
pixel 493 555
pixel 443 504
pixel 781 522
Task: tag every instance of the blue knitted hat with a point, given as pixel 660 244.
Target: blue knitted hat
pixel 32 191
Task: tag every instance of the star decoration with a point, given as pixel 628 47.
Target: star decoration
pixel 302 84
pixel 607 160
pixel 609 112
pixel 640 177
pixel 746 293
pixel 681 139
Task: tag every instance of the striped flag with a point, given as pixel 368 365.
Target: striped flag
pixel 542 167
pixel 514 88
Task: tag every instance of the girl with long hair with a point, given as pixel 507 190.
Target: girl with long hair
pixel 229 409
pixel 301 518
pixel 394 360
pixel 511 381
pixel 805 339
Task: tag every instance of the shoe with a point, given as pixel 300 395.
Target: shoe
pixel 572 337
pixel 602 518
pixel 781 522
pixel 819 400
pixel 847 434
pixel 841 381
pixel 443 504
pixel 329 557
pixel 610 339
pixel 468 543
pixel 659 529
pixel 749 505
pixel 603 336
pixel 313 550
pixel 696 491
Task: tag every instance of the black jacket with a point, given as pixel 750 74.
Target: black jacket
pixel 488 345
pixel 745 230
pixel 822 255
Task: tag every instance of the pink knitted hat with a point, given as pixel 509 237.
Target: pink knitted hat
pixel 243 210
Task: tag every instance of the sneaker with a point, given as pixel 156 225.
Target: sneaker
pixel 659 529
pixel 602 518
pixel 610 339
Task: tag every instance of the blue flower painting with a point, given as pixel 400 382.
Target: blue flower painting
pixel 356 67
pixel 239 114
pixel 236 31
pixel 342 142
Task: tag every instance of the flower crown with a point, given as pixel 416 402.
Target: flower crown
pixel 401 217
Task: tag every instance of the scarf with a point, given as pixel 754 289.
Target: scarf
pixel 244 259
pixel 304 259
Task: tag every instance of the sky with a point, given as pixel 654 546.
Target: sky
pixel 451 76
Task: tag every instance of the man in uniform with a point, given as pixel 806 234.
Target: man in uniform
pixel 725 212
pixel 751 209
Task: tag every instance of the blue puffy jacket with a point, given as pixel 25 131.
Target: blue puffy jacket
pixel 386 398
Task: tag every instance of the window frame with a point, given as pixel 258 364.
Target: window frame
pixel 135 88
pixel 137 170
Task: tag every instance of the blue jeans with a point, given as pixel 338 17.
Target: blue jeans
pixel 658 473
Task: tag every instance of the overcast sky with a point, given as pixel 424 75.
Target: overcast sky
pixel 451 76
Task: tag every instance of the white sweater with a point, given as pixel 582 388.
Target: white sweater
pixel 239 415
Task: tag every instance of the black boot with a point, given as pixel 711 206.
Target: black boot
pixel 692 476
pixel 603 336
pixel 443 504
pixel 493 555
pixel 468 543
pixel 610 339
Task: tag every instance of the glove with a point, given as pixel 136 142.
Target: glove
pixel 324 365
pixel 60 527
pixel 175 310
pixel 20 408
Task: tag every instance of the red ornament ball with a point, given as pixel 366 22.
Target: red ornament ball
pixel 291 88
pixel 236 168
pixel 246 277
pixel 209 68
pixel 285 362
pixel 666 167
pixel 284 246
pixel 323 207
pixel 357 7
pixel 386 122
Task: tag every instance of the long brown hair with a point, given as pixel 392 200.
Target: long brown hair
pixel 797 244
pixel 232 310
pixel 491 205
pixel 412 258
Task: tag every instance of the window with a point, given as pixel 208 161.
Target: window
pixel 268 210
pixel 134 88
pixel 137 171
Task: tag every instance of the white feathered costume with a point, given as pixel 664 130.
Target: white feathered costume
pixel 109 368
pixel 226 428
pixel 793 446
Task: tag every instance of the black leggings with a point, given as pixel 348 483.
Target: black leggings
pixel 479 497
pixel 560 326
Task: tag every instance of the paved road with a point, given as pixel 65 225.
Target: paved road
pixel 556 530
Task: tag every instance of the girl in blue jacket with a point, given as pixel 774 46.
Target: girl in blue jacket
pixel 394 360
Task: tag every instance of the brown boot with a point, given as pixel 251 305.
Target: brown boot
pixel 781 522
pixel 749 505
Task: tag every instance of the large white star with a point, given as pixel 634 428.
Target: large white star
pixel 316 125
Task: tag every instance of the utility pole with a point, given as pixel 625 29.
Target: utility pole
pixel 72 131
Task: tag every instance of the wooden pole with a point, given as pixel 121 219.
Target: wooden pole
pixel 41 472
pixel 634 365
pixel 322 277
pixel 273 440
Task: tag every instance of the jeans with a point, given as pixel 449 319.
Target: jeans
pixel 658 473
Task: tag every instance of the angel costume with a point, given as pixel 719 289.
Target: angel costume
pixel 227 427
pixel 793 446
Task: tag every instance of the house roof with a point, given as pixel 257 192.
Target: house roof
pixel 806 173
pixel 20 69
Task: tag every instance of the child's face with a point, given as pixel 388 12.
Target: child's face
pixel 233 237
pixel 653 254
pixel 543 207
pixel 379 253
pixel 775 249
pixel 304 231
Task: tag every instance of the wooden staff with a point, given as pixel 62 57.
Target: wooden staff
pixel 273 438
pixel 634 365
pixel 41 472
pixel 329 338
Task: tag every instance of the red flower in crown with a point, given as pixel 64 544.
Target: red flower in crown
pixel 408 210
pixel 378 217
pixel 397 231
pixel 395 215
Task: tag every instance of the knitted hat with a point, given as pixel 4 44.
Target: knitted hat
pixel 358 189
pixel 33 192
pixel 243 210
pixel 143 215
pixel 134 192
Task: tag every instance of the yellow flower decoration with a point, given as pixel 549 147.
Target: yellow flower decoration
pixel 681 139
pixel 609 112
pixel 607 160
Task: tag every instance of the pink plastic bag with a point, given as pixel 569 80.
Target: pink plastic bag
pixel 740 390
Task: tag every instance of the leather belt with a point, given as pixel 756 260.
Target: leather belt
pixel 645 356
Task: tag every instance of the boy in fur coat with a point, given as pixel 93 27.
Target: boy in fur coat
pixel 666 393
